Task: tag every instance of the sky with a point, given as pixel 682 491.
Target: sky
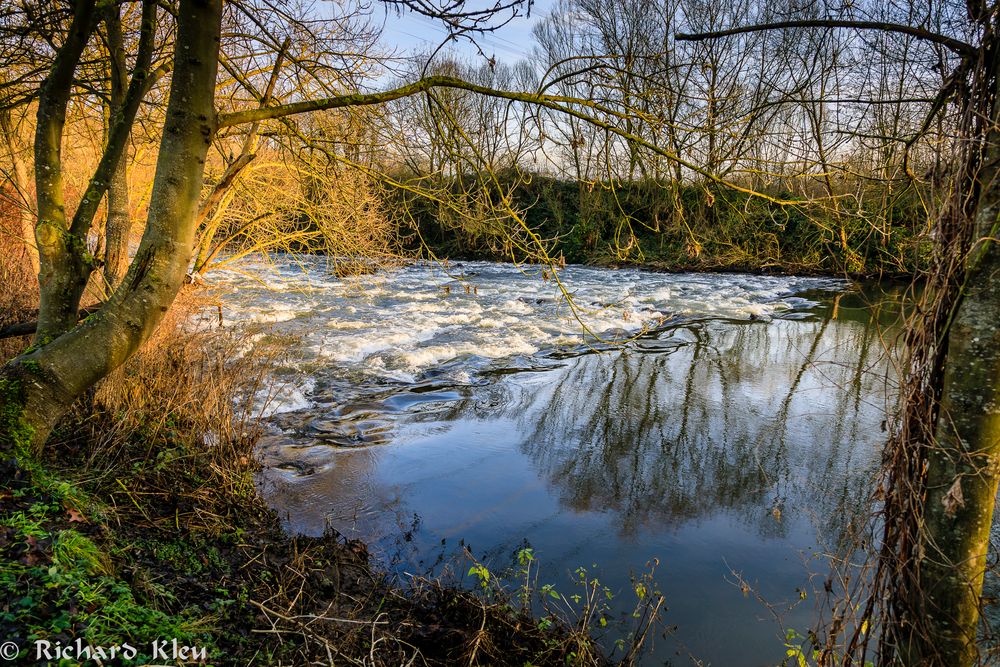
pixel 410 32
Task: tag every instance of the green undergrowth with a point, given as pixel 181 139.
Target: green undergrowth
pixel 692 227
pixel 59 577
pixel 145 547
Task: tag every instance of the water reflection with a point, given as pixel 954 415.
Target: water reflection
pixel 715 445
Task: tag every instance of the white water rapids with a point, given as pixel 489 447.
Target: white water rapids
pixel 398 324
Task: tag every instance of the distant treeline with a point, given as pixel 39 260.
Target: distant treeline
pixel 664 225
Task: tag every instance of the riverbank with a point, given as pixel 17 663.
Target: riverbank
pixel 681 262
pixel 142 525
pixel 710 265
pixel 692 227
pixel 78 572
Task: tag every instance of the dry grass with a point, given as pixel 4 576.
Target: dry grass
pixel 174 425
pixel 18 284
pixel 370 622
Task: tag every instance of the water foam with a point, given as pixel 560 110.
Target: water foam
pixel 400 323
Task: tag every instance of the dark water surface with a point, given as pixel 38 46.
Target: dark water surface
pixel 732 444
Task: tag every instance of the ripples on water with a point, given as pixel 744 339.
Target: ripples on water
pixel 736 434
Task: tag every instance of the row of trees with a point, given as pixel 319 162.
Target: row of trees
pixel 804 109
pixel 646 130
pixel 811 113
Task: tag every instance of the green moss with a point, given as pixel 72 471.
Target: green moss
pixel 79 246
pixel 16 434
pixel 31 365
pixel 59 583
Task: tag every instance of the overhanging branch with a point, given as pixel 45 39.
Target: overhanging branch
pixel 570 106
pixel 29 328
pixel 956 45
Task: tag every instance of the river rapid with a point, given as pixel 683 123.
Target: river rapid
pixel 726 425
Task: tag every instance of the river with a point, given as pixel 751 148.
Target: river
pixel 731 433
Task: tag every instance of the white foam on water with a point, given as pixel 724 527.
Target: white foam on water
pixel 277 315
pixel 347 325
pixel 360 346
pixel 431 355
pixel 400 322
pixel 287 397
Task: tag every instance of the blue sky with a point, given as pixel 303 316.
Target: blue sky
pixel 412 32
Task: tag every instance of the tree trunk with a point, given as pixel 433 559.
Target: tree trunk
pixel 119 223
pixel 38 387
pixel 963 467
pixel 962 471
pixel 64 263
pixel 118 226
pixel 20 178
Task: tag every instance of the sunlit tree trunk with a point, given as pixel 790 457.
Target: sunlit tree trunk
pixel 119 222
pixel 37 387
pixel 19 176
pixel 65 260
pixel 118 226
pixel 64 264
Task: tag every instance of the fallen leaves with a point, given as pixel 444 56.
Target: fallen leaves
pixel 75 516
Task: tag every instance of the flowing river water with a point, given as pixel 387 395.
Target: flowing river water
pixel 731 433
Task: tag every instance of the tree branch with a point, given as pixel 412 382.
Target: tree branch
pixel 121 125
pixel 571 106
pixel 339 102
pixel 233 170
pixel 28 328
pixel 956 45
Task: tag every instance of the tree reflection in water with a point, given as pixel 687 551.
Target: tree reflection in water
pixel 713 445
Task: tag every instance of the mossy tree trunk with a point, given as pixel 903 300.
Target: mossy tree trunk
pixel 39 386
pixel 64 258
pixel 962 472
pixel 963 464
pixel 64 266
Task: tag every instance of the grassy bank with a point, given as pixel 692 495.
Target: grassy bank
pixel 690 227
pixel 142 523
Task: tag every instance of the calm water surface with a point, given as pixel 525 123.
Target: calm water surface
pixel 732 439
